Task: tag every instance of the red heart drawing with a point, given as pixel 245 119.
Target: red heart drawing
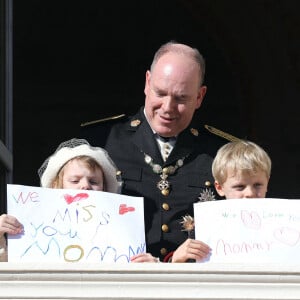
pixel 81 196
pixel 123 209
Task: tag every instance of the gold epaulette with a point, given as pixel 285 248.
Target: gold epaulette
pixel 102 120
pixel 221 133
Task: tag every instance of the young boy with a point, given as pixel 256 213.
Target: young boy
pixel 241 169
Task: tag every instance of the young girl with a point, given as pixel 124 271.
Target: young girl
pixel 76 165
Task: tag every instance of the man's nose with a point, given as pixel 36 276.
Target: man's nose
pixel 168 103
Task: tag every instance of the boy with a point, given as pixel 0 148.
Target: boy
pixel 241 169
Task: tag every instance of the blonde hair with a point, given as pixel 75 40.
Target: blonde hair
pixel 243 156
pixel 88 161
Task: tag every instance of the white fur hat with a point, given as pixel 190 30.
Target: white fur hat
pixel 73 148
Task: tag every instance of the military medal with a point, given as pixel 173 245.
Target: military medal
pixel 164 185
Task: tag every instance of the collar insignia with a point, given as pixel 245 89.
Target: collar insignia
pixel 194 131
pixel 135 123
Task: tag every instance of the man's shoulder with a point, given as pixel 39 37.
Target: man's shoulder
pixel 104 121
pixel 210 138
pixel 218 133
pixel 97 131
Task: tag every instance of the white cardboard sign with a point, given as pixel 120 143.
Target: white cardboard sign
pixel 65 225
pixel 250 230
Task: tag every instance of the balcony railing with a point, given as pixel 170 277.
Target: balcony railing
pixel 148 281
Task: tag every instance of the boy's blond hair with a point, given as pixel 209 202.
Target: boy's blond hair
pixel 240 156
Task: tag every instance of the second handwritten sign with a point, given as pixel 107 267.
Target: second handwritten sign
pixel 250 230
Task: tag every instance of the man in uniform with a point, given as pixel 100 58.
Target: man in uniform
pixel 164 155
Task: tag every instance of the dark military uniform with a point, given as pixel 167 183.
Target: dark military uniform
pixel 128 143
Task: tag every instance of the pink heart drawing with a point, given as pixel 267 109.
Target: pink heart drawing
pixel 286 235
pixel 251 219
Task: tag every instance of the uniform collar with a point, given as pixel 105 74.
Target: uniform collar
pixel 144 139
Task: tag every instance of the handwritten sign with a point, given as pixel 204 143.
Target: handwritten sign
pixel 64 225
pixel 250 230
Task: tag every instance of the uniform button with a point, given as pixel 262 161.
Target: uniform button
pixel 165 228
pixel 163 251
pixel 207 183
pixel 165 192
pixel 165 206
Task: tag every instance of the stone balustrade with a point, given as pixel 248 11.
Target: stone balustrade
pixel 148 281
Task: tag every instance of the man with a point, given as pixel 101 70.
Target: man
pixel 164 156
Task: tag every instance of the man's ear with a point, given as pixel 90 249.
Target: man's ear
pixel 147 82
pixel 201 94
pixel 219 189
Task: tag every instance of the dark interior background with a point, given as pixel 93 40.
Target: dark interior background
pixel 77 61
